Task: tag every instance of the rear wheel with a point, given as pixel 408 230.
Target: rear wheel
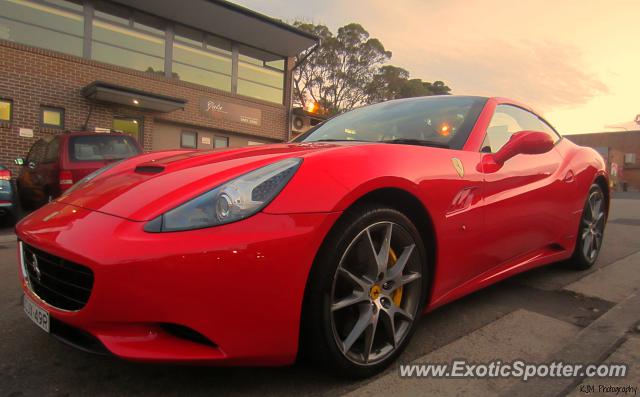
pixel 591 230
pixel 365 292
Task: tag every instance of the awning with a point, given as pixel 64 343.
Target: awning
pixel 232 22
pixel 106 92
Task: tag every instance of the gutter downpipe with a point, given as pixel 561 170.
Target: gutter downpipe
pixel 295 66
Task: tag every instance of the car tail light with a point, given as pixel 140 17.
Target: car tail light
pixel 66 180
pixel 5 175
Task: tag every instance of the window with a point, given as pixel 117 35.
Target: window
pixel 189 140
pixel 102 147
pixel 629 158
pixel 201 59
pixel 506 121
pixel 56 25
pixel 123 39
pixel 260 75
pixel 36 154
pixel 128 125
pixel 53 148
pixel 221 141
pixel 435 120
pixel 6 110
pixel 52 117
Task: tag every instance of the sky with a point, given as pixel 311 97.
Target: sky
pixel 576 62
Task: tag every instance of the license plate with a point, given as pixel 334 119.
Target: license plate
pixel 36 313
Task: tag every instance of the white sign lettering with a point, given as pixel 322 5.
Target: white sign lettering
pixel 25 132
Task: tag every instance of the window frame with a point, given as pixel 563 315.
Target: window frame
pixel 29 160
pixel 140 123
pixel 72 150
pixel 512 105
pixel 63 9
pixel 10 102
pixel 44 108
pixel 264 65
pixel 127 17
pixel 184 133
pixel 45 158
pixel 632 156
pixel 215 137
pixel 207 50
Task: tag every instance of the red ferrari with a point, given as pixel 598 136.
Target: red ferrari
pixel 332 245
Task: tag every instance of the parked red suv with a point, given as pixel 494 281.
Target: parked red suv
pixel 54 164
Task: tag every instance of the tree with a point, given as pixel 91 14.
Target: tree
pixel 392 82
pixel 337 75
pixel 387 84
pixel 437 88
pixel 347 70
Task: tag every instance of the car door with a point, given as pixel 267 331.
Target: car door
pixel 49 169
pixel 521 207
pixel 30 180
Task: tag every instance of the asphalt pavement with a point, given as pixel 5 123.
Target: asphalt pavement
pixel 550 312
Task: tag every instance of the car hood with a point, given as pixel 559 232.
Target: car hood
pixel 148 185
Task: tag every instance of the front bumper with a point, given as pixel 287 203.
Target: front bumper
pixel 6 198
pixel 6 208
pixel 239 285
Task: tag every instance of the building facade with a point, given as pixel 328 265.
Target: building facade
pixel 621 151
pixel 192 74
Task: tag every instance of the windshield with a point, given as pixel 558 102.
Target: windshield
pixel 102 147
pixel 438 120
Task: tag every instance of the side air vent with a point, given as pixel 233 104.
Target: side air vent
pixel 149 169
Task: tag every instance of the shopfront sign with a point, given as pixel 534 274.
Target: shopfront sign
pixel 228 111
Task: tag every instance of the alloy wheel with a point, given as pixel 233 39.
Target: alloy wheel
pixel 375 294
pixel 593 226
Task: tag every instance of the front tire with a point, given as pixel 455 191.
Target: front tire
pixel 591 230
pixel 365 293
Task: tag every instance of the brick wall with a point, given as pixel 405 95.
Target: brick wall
pixel 618 143
pixel 34 77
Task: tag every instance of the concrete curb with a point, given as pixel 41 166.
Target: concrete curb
pixel 7 238
pixel 592 345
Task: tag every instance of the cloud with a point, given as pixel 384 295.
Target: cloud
pixel 545 75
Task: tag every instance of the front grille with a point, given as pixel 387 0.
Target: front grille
pixel 60 283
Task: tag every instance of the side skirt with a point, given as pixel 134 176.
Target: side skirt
pixel 545 256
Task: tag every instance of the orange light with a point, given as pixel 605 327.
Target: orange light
pixel 311 107
pixel 445 130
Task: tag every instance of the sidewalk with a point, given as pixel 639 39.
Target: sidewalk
pixel 7 235
pixel 612 338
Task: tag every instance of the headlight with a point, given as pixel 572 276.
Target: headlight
pixel 229 202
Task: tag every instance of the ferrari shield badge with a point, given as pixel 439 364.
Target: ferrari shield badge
pixel 457 164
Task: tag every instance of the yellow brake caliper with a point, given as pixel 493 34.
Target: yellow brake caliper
pixel 397 294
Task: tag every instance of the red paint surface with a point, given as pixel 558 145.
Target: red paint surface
pixel 242 284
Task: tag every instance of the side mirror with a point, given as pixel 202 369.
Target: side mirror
pixel 19 161
pixel 523 142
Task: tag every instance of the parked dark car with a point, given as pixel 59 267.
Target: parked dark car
pixel 7 197
pixel 54 164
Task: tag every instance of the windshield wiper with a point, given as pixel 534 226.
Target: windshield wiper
pixel 421 142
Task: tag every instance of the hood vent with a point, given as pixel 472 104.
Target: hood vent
pixel 149 169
